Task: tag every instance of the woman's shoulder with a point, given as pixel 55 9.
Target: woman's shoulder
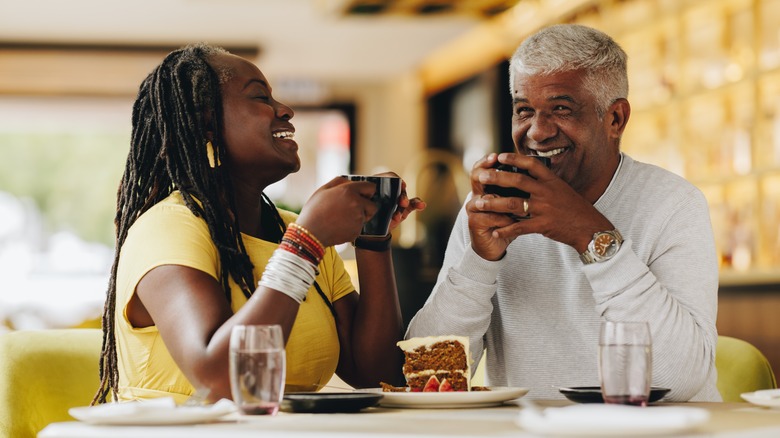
pixel 173 203
pixel 170 212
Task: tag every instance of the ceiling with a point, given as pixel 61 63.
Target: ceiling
pixel 308 39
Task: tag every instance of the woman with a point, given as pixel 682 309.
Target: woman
pixel 195 232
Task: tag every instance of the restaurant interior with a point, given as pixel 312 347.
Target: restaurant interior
pixel 414 86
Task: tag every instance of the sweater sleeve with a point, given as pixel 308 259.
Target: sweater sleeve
pixel 675 291
pixel 460 303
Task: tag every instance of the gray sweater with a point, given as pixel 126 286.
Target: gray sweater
pixel 537 312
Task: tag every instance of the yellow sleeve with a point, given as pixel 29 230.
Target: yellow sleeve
pixel 337 277
pixel 167 234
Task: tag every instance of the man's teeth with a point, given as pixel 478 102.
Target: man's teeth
pixel 284 134
pixel 550 153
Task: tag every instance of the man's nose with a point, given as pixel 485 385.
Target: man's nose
pixel 542 128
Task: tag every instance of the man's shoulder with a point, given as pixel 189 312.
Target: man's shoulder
pixel 651 177
pixel 653 170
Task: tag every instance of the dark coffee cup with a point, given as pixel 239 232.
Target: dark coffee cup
pixel 388 190
pixel 507 192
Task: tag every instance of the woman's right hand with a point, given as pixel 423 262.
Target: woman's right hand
pixel 336 212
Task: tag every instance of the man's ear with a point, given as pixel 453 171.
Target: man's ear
pixel 617 116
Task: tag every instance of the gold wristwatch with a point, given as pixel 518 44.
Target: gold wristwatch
pixel 604 245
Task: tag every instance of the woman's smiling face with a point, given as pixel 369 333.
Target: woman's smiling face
pixel 256 128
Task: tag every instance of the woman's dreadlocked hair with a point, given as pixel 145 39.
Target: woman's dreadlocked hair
pixel 168 152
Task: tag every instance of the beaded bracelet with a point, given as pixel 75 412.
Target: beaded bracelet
pixel 299 250
pixel 307 234
pixel 301 242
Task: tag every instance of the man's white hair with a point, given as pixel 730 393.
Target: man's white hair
pixel 567 47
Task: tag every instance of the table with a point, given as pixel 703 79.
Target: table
pixel 727 420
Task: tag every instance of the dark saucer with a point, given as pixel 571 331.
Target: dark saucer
pixel 328 402
pixel 592 394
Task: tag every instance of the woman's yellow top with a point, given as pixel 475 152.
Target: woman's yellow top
pixel 169 234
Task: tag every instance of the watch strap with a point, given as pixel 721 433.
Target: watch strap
pixel 587 257
pixel 372 244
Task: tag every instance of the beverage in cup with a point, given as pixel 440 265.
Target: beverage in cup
pixel 257 368
pixel 625 362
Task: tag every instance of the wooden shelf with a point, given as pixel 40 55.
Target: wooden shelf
pixel 708 108
pixel 705 89
pixel 732 278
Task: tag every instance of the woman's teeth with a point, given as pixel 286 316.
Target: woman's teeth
pixel 284 134
pixel 550 153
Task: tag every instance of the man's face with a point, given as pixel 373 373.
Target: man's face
pixel 553 115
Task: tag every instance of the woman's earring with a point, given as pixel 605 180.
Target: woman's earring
pixel 213 162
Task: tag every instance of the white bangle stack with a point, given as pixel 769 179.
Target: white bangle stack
pixel 289 274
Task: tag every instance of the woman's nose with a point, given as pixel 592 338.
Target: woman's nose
pixel 283 111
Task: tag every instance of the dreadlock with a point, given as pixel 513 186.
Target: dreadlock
pixel 168 152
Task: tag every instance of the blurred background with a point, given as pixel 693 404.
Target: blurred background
pixel 416 86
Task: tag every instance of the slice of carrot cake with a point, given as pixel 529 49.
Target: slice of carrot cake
pixel 437 363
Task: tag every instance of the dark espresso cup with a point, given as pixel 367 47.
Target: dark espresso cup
pixel 507 192
pixel 388 190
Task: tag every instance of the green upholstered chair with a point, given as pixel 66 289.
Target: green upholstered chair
pixel 43 373
pixel 741 368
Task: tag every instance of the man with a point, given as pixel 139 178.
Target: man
pixel 601 237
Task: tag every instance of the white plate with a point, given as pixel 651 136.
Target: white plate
pixel 599 420
pixel 766 398
pixel 460 399
pixel 151 412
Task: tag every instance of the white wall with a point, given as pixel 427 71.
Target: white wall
pixel 391 122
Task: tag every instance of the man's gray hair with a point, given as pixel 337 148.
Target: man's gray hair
pixel 567 47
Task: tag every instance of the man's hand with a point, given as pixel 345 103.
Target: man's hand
pixel 483 221
pixel 554 209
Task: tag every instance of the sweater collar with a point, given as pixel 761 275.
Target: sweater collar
pixel 613 188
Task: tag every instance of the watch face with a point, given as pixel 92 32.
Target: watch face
pixel 603 244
